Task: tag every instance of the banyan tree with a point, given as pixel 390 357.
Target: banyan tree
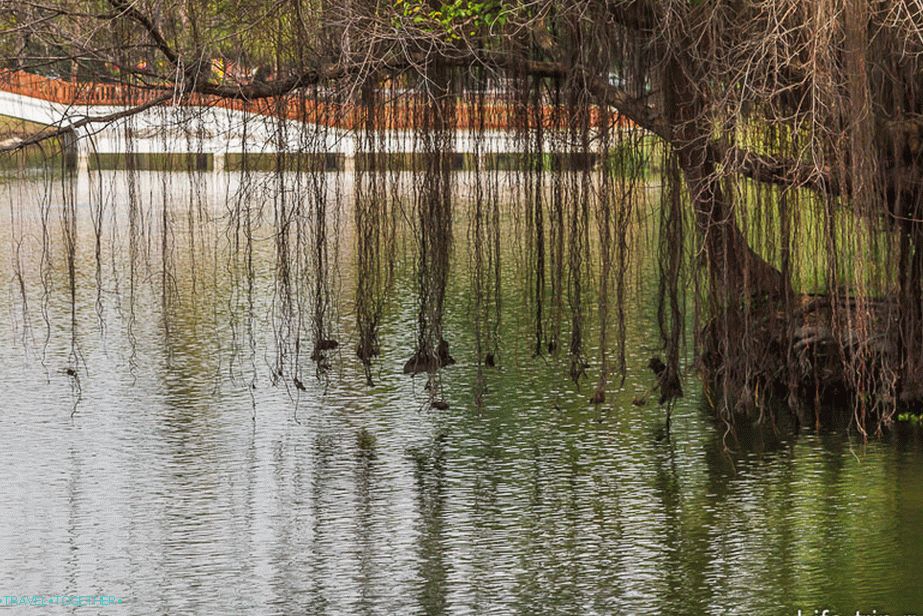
pixel 786 137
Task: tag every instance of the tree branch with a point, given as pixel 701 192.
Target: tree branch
pixel 160 42
pixel 633 108
pixel 767 169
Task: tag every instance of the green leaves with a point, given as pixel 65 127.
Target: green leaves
pixel 456 18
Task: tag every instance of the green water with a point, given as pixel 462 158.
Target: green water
pixel 348 499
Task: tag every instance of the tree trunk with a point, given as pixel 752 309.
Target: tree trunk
pixel 731 349
pixel 733 265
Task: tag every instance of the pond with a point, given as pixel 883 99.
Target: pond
pixel 152 453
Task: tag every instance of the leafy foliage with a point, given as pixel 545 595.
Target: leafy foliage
pixel 457 18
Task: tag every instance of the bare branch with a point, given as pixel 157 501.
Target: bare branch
pixel 131 11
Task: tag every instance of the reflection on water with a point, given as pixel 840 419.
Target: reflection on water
pixel 349 499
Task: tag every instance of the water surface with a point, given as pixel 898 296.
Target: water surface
pixel 190 481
